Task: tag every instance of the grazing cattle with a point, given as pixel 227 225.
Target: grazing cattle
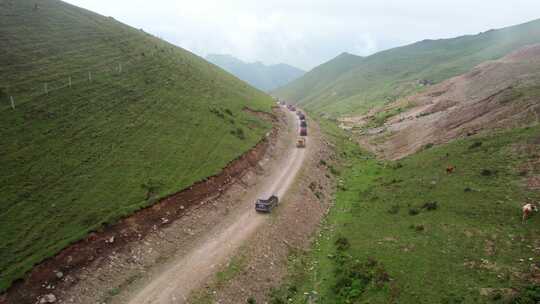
pixel 450 169
pixel 528 210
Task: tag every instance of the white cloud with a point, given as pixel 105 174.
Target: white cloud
pixel 308 32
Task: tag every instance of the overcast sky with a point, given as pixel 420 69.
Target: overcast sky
pixel 306 33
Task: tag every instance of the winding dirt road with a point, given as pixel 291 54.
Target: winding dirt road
pixel 187 272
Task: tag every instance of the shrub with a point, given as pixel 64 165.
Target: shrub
pixel 251 300
pixel 229 112
pixel 417 228
pixel 487 172
pixel 413 211
pixel 354 278
pixel 397 166
pixel 529 295
pixel 475 145
pixel 429 146
pixel 152 188
pixel 342 244
pixel 239 132
pixel 430 206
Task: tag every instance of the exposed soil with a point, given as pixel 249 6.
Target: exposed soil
pixel 62 272
pixel 489 97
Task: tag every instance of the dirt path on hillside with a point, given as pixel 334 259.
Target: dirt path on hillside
pixel 187 272
pixel 184 253
pixel 262 263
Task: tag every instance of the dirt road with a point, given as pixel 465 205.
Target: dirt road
pixel 188 271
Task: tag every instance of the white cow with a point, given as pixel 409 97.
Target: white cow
pixel 528 210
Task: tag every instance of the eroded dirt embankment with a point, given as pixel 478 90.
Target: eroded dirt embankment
pixel 498 94
pixel 64 272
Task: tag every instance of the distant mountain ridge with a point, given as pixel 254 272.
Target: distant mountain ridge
pixel 349 84
pixel 259 75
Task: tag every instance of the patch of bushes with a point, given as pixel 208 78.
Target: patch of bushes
pixel 475 145
pixel 430 206
pixel 251 300
pixel 217 112
pixel 413 211
pixel 487 172
pixel 239 132
pixel 152 187
pixel 417 228
pixel 229 112
pixel 529 295
pixel 354 278
pixel 397 166
pixel 428 146
pixel 342 244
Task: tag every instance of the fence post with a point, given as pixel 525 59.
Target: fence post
pixel 120 68
pixel 70 81
pixel 12 102
pixel 89 76
pixel 46 88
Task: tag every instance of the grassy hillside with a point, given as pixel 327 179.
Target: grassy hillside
pixel 320 76
pixel 388 75
pixel 263 77
pixel 151 119
pixel 408 232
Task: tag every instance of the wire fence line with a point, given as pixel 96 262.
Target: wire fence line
pixel 20 93
pixel 28 89
pixel 46 88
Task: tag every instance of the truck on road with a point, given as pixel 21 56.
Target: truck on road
pixel 266 205
pixel 301 142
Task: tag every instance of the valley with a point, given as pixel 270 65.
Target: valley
pixel 137 172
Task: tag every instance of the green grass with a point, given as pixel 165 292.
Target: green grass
pixel 81 157
pixel 385 76
pixel 379 245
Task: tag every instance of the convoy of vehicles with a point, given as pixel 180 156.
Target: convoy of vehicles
pixel 266 205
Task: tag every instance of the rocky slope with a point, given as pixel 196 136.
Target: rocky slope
pixel 504 93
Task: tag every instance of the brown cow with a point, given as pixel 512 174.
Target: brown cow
pixel 450 169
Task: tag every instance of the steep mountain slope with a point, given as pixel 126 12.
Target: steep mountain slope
pixel 388 75
pixel 497 94
pixel 263 77
pixel 105 119
pixel 317 79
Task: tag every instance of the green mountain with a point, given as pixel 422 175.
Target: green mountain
pixel 325 73
pixel 263 77
pixel 389 75
pixel 105 120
